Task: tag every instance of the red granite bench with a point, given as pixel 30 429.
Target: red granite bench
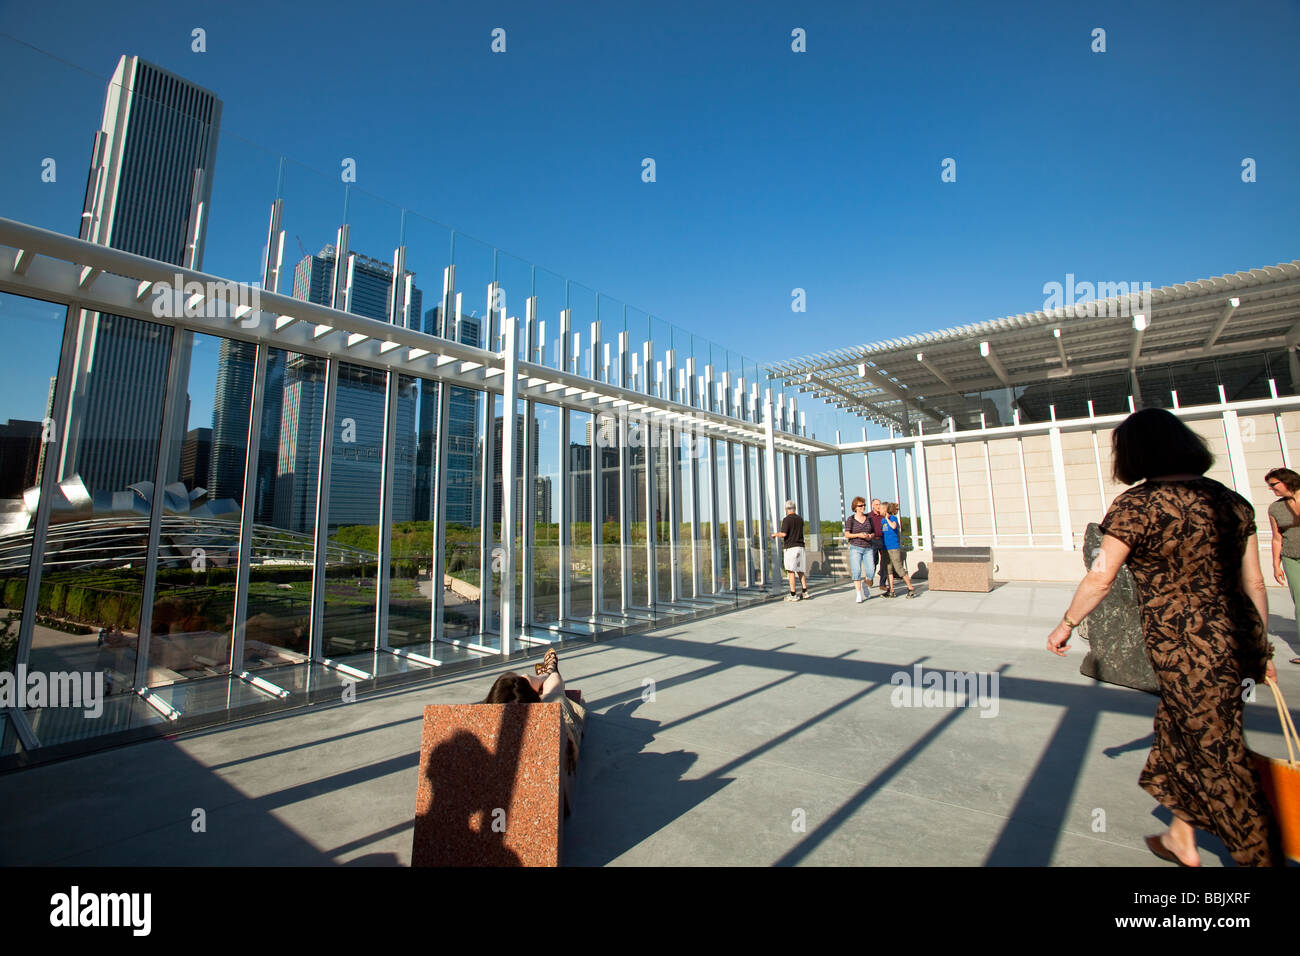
pixel 491 786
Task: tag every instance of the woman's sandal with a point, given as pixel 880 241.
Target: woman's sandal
pixel 549 664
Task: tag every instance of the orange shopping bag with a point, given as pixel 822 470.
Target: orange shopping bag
pixel 1281 780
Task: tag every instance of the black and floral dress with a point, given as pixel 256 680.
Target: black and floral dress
pixel 1204 637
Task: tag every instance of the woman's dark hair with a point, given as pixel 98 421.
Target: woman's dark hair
pixel 511 688
pixel 1286 476
pixel 1154 442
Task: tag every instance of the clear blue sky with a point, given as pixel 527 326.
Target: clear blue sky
pixel 775 169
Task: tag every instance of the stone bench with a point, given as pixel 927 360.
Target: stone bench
pixel 491 785
pixel 962 569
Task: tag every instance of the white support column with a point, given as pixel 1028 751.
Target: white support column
pixel 487 541
pixel 650 444
pixel 674 452
pixel 956 494
pixel 693 474
pixel 893 461
pixel 927 538
pixel 564 498
pixel 839 465
pixel 597 490
pixel 773 503
pixel 528 493
pixel 383 572
pixel 866 471
pixel 1281 440
pixel 625 492
pixel 988 477
pixel 320 541
pixel 438 506
pixel 714 505
pixel 1062 495
pixel 1237 455
pixel 814 501
pixel 1096 458
pixel 729 479
pixel 1024 488
pixel 509 468
pixel 398 307
pixel 911 498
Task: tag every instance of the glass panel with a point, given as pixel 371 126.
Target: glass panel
pixel 194 599
pixel 579 493
pixel 546 535
pixel 410 597
pixel 28 368
pixel 609 555
pixel 356 458
pixel 93 572
pixel 283 500
pixel 464 477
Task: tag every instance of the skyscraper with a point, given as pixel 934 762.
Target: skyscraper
pixel 148 192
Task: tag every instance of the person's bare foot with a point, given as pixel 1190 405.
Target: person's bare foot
pixel 1183 847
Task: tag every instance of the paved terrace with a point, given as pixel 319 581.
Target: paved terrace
pixel 756 715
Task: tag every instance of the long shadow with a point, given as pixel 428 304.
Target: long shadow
pixel 1034 825
pixel 625 795
pixel 140 811
pixel 850 806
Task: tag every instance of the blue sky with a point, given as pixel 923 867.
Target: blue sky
pixel 775 169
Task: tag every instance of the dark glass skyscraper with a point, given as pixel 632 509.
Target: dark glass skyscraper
pixel 148 192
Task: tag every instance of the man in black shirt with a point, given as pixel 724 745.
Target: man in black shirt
pixel 795 557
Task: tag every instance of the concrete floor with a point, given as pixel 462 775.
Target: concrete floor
pixel 770 738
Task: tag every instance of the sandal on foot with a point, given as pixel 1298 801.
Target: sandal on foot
pixel 1295 660
pixel 549 664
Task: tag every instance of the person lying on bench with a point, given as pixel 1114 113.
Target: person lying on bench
pixel 546 687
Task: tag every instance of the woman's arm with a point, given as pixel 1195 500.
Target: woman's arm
pixel 1277 551
pixel 1252 582
pixel 1095 585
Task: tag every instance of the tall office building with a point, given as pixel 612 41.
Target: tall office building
pixel 359 410
pixel 148 192
pixel 196 458
pixel 539 499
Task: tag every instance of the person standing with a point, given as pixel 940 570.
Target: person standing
pixel 1190 543
pixel 1284 522
pixel 894 549
pixel 877 541
pixel 858 532
pixel 795 558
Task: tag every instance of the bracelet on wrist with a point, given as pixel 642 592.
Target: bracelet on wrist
pixel 1068 623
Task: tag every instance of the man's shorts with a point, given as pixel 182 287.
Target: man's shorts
pixel 796 560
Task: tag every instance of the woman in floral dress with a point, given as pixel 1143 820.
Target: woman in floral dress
pixel 1190 543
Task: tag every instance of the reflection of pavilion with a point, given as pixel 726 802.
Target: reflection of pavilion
pixel 109 529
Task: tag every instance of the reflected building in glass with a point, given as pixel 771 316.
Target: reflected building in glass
pixel 148 192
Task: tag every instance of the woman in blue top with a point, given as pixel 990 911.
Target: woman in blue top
pixel 894 549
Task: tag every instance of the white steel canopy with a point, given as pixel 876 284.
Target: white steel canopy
pixel 898 380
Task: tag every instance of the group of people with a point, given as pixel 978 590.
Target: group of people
pixel 1191 545
pixel 875 541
